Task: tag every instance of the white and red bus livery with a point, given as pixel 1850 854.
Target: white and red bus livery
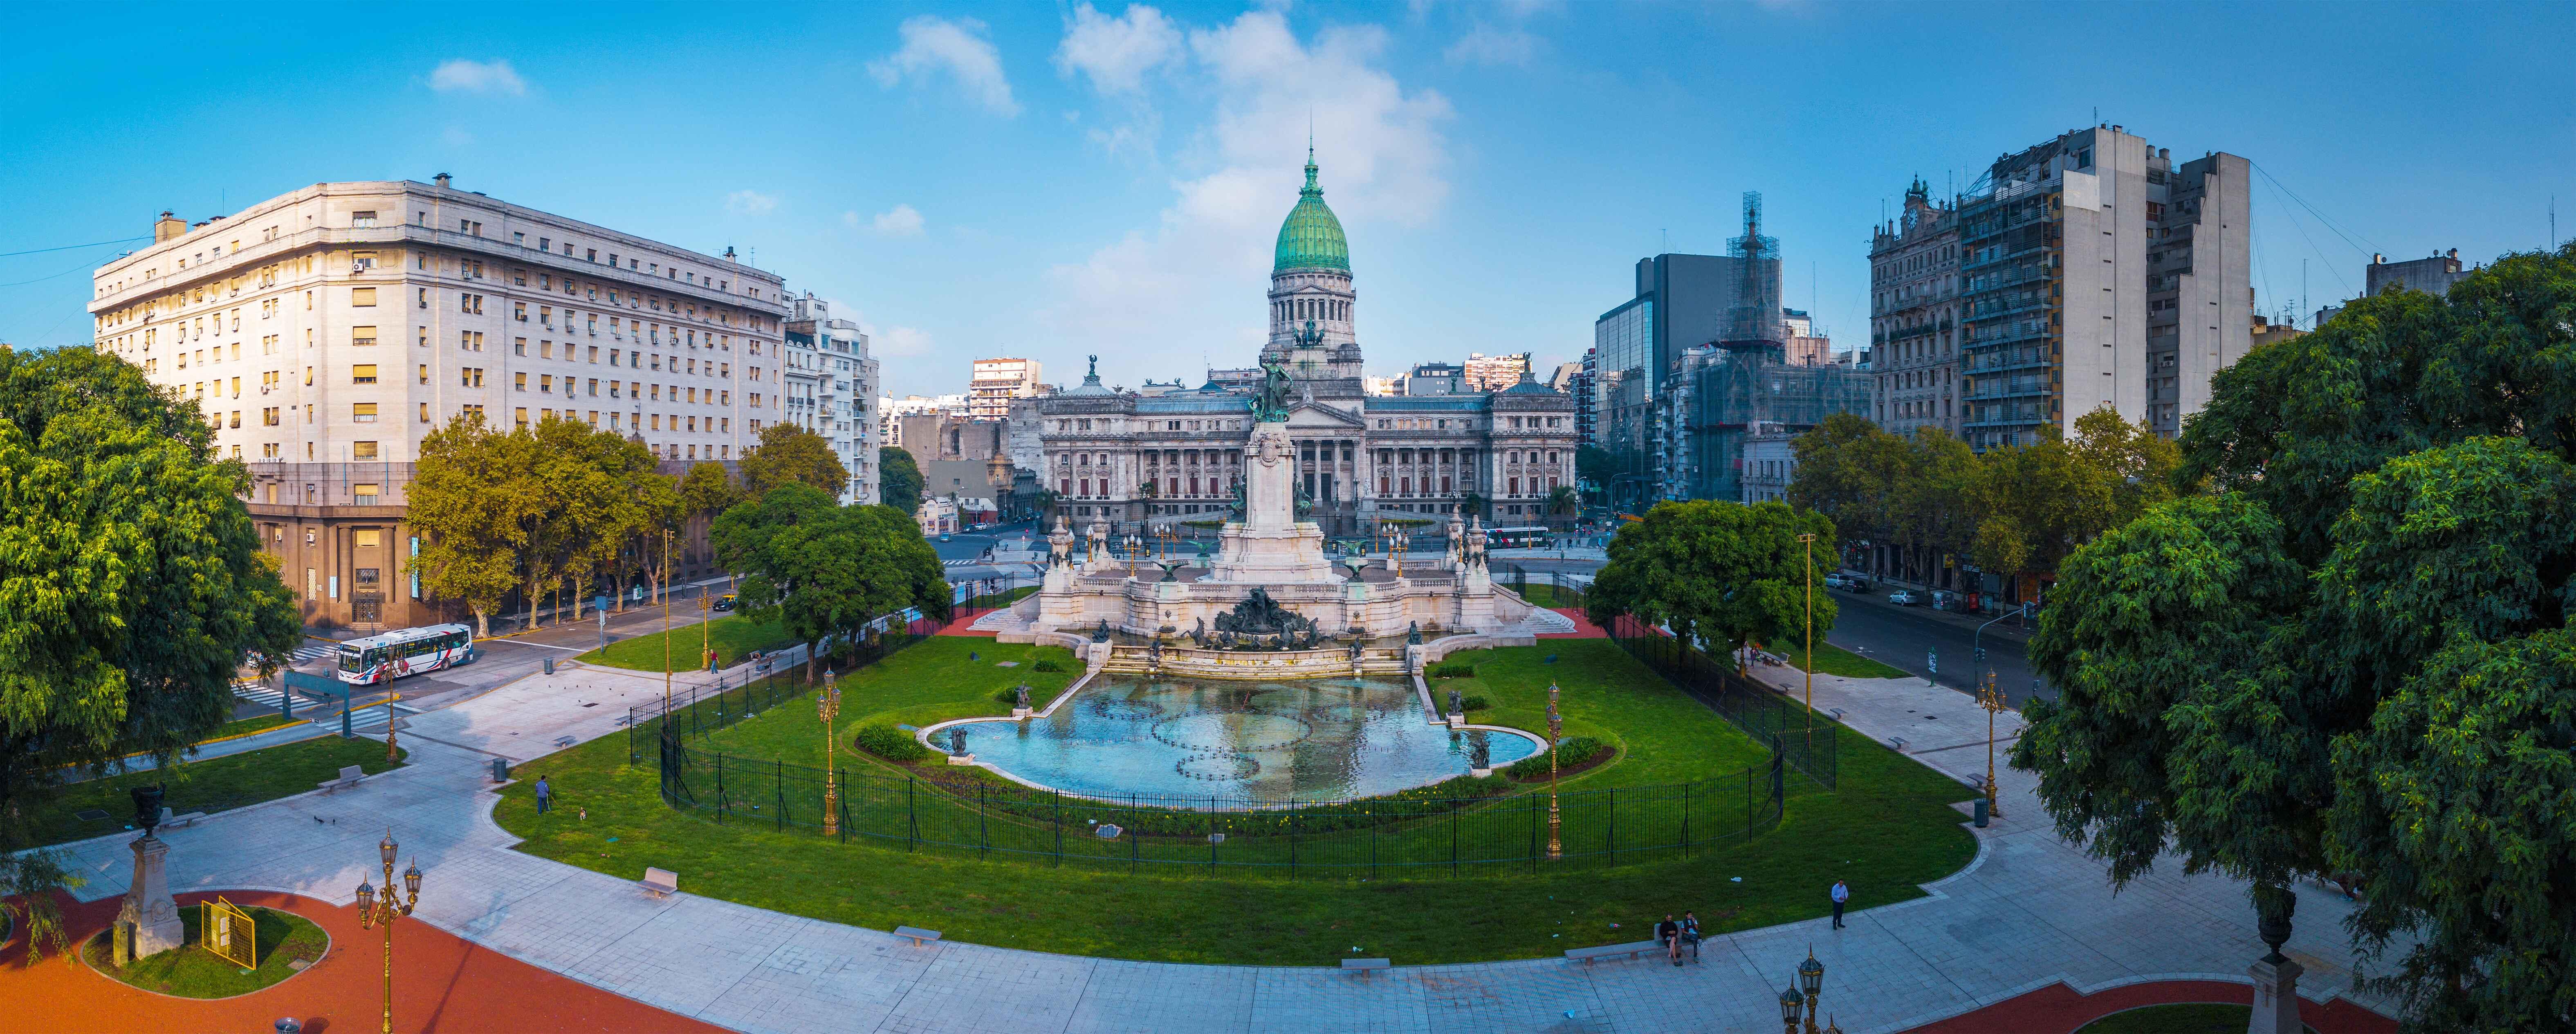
pixel 376 660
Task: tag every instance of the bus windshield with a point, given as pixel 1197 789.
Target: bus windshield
pixel 350 659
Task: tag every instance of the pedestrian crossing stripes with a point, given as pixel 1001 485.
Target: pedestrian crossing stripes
pixel 313 652
pixel 256 693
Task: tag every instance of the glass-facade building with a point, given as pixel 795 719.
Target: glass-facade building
pixel 1624 378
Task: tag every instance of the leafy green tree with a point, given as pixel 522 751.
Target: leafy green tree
pixel 2033 504
pixel 792 455
pixel 821 569
pixel 474 497
pixel 2353 656
pixel 900 479
pixel 1564 503
pixel 707 490
pixel 132 589
pixel 1716 572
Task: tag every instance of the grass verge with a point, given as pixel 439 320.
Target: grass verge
pixel 731 637
pixel 254 723
pixel 1834 660
pixel 1888 829
pixel 191 971
pixel 211 785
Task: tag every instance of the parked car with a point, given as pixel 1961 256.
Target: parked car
pixel 727 601
pixel 1905 598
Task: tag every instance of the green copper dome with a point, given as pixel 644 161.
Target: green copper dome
pixel 1312 236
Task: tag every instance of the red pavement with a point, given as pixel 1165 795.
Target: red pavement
pixel 1583 627
pixel 441 983
pixel 2059 1009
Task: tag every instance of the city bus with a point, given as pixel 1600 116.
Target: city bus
pixel 377 660
pixel 1520 538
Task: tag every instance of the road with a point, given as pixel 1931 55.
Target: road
pixel 1907 637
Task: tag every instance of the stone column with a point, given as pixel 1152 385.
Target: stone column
pixel 2276 997
pixel 152 913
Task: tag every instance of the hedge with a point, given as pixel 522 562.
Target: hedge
pixel 1569 753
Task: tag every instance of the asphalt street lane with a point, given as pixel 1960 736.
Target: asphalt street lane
pixel 1909 639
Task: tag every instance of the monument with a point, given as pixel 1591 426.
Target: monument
pixel 148 923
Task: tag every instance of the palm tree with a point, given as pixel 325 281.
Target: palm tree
pixel 1564 502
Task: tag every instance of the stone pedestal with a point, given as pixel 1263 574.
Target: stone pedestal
pixel 2276 998
pixel 1480 773
pixel 1020 712
pixel 1457 721
pixel 1270 546
pixel 961 759
pixel 150 914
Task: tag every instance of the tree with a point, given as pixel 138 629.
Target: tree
pixel 1716 572
pixel 2033 504
pixel 2352 656
pixel 826 570
pixel 1564 503
pixel 1593 468
pixel 706 490
pixel 473 497
pixel 900 478
pixel 132 589
pixel 1473 505
pixel 792 455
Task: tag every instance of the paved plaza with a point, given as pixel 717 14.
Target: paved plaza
pixel 2029 912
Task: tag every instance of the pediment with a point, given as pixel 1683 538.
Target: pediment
pixel 1305 414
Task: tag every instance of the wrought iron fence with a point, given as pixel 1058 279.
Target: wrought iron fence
pixel 698 710
pixel 1556 590
pixel 1807 742
pixel 1430 830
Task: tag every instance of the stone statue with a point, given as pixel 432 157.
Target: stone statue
pixel 1305 501
pixel 1270 401
pixel 1094 371
pixel 1101 634
pixel 1457 702
pixel 1199 635
pixel 1356 644
pixel 1311 337
pixel 1480 749
pixel 957 739
pixel 1024 696
pixel 1234 501
pixel 1413 632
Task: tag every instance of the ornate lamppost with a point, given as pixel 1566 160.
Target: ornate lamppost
pixel 391 754
pixel 1798 1003
pixel 373 912
pixel 1991 697
pixel 1555 731
pixel 830 707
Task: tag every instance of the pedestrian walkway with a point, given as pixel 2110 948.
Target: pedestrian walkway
pixel 2029 912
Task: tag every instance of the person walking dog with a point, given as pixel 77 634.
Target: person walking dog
pixel 1841 894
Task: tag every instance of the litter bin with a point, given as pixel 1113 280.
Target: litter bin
pixel 1982 805
pixel 550 665
pixel 501 773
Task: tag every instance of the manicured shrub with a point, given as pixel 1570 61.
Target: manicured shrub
pixel 1453 670
pixel 1048 664
pixel 1569 754
pixel 1472 704
pixel 890 743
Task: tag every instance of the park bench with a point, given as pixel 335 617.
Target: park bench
pixel 1364 966
pixel 660 883
pixel 919 936
pixel 1631 949
pixel 348 777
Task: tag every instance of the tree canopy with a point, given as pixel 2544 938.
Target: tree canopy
pixel 792 455
pixel 900 479
pixel 1717 572
pixel 132 588
pixel 822 569
pixel 546 510
pixel 2350 652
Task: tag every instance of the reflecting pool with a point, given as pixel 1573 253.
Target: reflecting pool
pixel 1309 740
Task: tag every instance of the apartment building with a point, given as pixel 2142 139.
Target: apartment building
pixel 831 390
pixel 325 331
pixel 1914 316
pixel 995 382
pixel 2096 272
pixel 1494 372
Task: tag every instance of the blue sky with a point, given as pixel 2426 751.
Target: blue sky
pixel 1057 180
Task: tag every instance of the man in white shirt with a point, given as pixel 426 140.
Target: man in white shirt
pixel 1841 893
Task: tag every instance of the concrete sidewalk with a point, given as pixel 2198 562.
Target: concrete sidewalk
pixel 2028 912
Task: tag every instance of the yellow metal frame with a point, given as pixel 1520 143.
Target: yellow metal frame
pixel 230 933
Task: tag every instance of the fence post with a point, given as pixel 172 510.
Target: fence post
pixel 983 832
pixel 1131 834
pixel 1614 825
pixel 1211 825
pixel 1059 829
pixel 1453 839
pixel 1529 807
pixel 845 820
pixel 1686 817
pixel 1367 815
pixel 911 818
pixel 778 782
pixel 1292 838
pixel 721 800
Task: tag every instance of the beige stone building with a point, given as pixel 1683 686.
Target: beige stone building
pixel 325 331
pixel 995 382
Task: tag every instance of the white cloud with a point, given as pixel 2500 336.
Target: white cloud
pixel 1488 45
pixel 932 44
pixel 898 341
pixel 750 202
pixel 456 136
pixel 462 76
pixel 899 221
pixel 1192 283
pixel 1116 53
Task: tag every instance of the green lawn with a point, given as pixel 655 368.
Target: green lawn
pixel 211 785
pixel 1834 660
pixel 190 971
pixel 1886 830
pixel 254 723
pixel 2174 1019
pixel 731 637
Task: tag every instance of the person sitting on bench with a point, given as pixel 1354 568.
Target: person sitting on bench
pixel 1690 932
pixel 1669 934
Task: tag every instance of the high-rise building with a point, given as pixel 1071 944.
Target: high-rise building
pixel 996 382
pixel 1801 343
pixel 2433 275
pixel 1583 397
pixel 1914 316
pixel 832 385
pixel 325 331
pixel 1426 379
pixel 2097 273
pixel 1493 372
pixel 1681 301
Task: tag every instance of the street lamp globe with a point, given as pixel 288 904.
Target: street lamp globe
pixel 387 849
pixel 1811 975
pixel 411 878
pixel 1792 1005
pixel 366 898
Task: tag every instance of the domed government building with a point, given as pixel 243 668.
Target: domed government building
pixel 1155 461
